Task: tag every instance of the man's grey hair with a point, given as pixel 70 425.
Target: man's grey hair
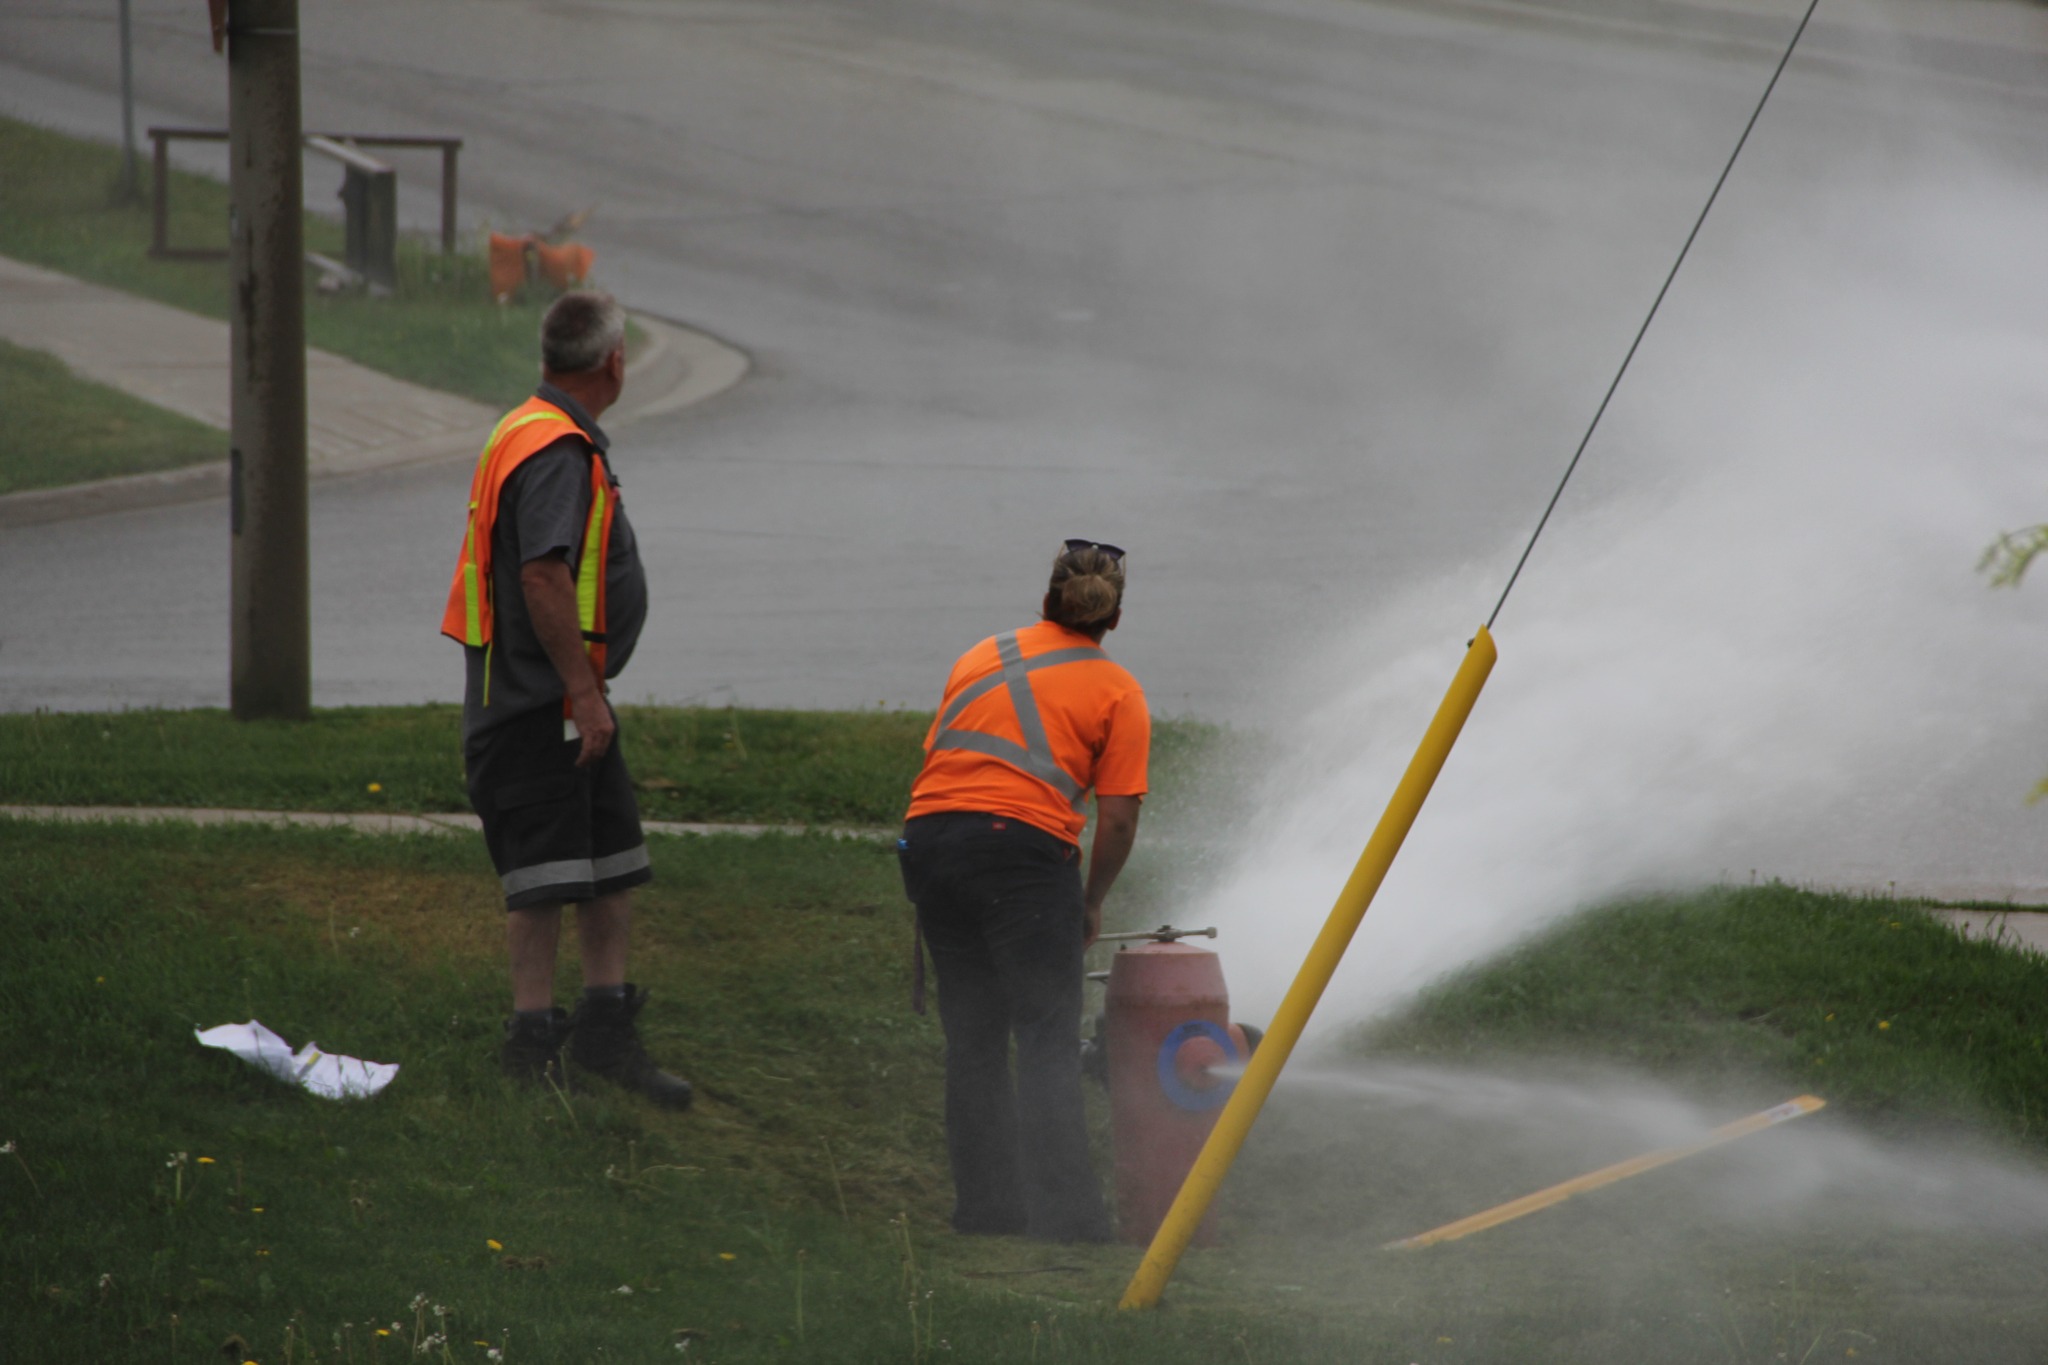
pixel 581 328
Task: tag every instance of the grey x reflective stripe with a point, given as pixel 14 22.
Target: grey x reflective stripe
pixel 575 871
pixel 1034 755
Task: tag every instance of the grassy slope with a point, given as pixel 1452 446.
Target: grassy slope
pixel 780 978
pixel 779 970
pixel 441 330
pixel 64 429
pixel 779 974
pixel 692 764
pixel 1869 1002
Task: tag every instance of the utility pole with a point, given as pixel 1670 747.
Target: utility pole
pixel 271 631
pixel 129 188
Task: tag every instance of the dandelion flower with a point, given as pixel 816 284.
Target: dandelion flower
pixel 727 1256
pixel 1884 1023
pixel 383 1331
pixel 376 786
pixel 494 1244
pixel 208 1161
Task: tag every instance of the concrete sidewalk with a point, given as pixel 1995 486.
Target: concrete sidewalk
pixel 438 822
pixel 358 420
pixel 2023 928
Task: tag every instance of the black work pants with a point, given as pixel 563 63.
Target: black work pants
pixel 1000 903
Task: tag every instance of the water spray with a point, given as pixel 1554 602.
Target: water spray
pixel 1186 1215
pixel 1797 1107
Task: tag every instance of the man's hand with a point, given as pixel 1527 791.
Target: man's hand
pixel 594 724
pixel 550 593
pixel 1116 829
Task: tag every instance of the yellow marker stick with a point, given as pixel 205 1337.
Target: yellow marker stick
pixel 1557 1194
pixel 1249 1096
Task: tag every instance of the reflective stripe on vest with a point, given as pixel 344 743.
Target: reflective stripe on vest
pixel 475 630
pixel 590 584
pixel 1034 755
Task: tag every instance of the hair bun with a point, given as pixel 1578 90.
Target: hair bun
pixel 1087 588
pixel 1087 599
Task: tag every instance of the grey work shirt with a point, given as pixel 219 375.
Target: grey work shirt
pixel 543 509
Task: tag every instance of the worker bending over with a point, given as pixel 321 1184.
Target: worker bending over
pixel 1031 721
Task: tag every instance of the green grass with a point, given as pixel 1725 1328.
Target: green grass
pixel 1870 1002
pixel 797 1213
pixel 441 329
pixel 64 429
pixel 822 767
pixel 812 1171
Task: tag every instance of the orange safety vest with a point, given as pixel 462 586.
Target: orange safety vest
pixel 525 431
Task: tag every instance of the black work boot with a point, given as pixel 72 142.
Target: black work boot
pixel 532 1051
pixel 604 1042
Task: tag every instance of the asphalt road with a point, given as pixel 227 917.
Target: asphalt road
pixel 1306 302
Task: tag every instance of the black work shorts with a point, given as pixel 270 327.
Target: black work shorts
pixel 556 832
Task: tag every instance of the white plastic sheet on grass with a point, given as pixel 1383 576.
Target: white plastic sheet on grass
pixel 321 1073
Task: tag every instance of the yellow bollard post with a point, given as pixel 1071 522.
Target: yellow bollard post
pixel 1242 1110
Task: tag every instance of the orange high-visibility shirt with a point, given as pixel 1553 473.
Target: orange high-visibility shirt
pixel 1031 722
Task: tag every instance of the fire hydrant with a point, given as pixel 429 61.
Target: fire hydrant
pixel 1172 1052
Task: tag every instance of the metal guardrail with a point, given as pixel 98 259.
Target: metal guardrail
pixel 369 197
pixel 341 146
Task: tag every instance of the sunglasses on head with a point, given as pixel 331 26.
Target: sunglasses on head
pixel 1115 552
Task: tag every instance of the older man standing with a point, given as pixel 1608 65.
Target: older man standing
pixel 548 600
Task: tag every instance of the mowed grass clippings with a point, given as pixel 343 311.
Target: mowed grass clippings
pixel 441 329
pixel 65 429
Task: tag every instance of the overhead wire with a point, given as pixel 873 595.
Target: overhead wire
pixel 1651 316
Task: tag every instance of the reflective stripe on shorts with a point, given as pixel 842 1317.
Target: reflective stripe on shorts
pixel 575 871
